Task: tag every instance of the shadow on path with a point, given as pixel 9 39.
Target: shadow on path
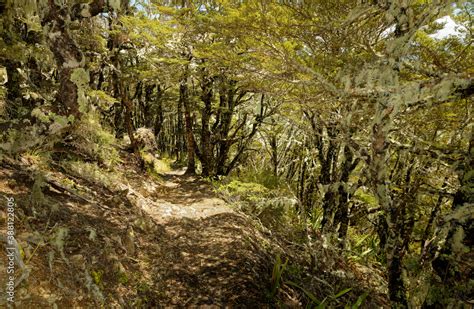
pixel 216 260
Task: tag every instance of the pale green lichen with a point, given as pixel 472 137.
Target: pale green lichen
pixel 58 240
pixel 59 123
pixel 3 76
pixel 37 197
pixel 54 35
pixel 40 115
pixel 92 286
pixel 80 77
pixel 462 214
pixel 85 11
pixel 457 241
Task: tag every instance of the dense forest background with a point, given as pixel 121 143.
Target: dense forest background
pixel 351 120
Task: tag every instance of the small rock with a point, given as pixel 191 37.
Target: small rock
pixel 34 238
pixel 78 261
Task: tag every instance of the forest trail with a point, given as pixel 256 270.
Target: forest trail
pixel 167 241
pixel 208 254
pixel 181 196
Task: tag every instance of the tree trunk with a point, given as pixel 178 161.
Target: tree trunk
pixel 453 287
pixel 67 55
pixel 223 123
pixel 393 248
pixel 147 106
pixel 158 119
pixel 206 146
pixel 128 106
pixel 429 226
pixel 179 129
pixel 274 154
pixel 327 178
pixel 14 80
pixel 188 123
pixel 392 219
pixel 341 218
pixel 244 142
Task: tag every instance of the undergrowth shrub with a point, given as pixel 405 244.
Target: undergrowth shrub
pixel 362 247
pixel 37 198
pixel 15 141
pixel 154 166
pixel 264 177
pixel 92 172
pixel 245 190
pixel 93 140
pixel 274 210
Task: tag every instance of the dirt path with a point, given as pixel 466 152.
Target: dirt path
pixel 208 254
pixel 182 196
pixel 142 243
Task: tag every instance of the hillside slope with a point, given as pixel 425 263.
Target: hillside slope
pixel 134 240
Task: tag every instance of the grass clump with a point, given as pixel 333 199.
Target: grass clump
pixel 154 166
pixel 92 172
pixel 272 209
pixel 92 140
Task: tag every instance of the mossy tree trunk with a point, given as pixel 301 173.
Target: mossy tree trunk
pixel 379 161
pixel 69 58
pixel 453 263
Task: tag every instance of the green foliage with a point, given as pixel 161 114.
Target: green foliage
pixel 273 209
pixel 123 278
pixel 308 294
pixel 278 281
pixel 97 276
pixel 263 177
pixel 102 99
pixel 366 198
pixel 341 82
pixel 277 273
pixel 92 140
pixel 92 172
pixel 248 190
pixel 363 247
pixel 359 302
pixel 155 167
pixel 15 142
pixel 37 198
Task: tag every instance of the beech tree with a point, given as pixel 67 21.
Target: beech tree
pixel 360 109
